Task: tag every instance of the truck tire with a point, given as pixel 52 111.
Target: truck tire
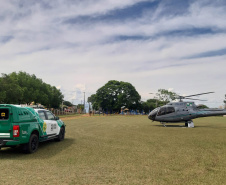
pixel 61 134
pixel 32 145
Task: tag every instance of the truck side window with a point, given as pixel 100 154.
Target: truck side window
pixel 42 115
pixel 50 116
pixel 4 114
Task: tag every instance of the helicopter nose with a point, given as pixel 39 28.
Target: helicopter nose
pixel 153 114
pixel 150 116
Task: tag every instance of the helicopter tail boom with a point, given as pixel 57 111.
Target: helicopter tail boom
pixel 211 112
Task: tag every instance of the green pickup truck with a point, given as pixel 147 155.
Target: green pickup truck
pixel 27 126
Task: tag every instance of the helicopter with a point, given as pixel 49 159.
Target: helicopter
pixel 183 111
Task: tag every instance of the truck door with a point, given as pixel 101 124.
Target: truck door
pixel 5 122
pixel 52 127
pixel 42 116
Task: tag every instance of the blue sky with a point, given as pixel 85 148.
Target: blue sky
pixel 80 45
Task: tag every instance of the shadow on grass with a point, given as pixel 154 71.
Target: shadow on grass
pixel 45 150
pixel 196 126
pixel 207 126
pixel 177 126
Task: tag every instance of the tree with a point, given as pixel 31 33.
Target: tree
pixel 165 95
pixel 56 97
pixel 10 90
pixel 148 106
pixel 80 106
pixel 201 106
pixel 23 88
pixel 67 103
pixel 114 94
pixel 92 100
pixel 162 97
pixel 151 104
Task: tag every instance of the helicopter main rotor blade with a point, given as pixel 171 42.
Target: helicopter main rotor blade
pixel 194 99
pixel 197 94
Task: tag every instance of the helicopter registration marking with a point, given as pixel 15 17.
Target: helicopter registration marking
pixel 189 104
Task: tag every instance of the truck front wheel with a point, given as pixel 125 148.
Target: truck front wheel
pixel 61 134
pixel 32 145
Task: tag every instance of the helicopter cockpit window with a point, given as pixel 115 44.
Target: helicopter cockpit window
pixel 170 110
pixel 166 110
pixel 162 111
pixel 155 110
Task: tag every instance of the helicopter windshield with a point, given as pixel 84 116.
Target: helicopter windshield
pixel 155 111
pixel 153 114
pixel 166 110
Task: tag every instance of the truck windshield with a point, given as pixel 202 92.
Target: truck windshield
pixel 4 114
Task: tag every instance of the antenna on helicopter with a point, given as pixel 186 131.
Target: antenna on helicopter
pixel 188 97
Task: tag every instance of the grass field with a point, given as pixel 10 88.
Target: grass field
pixel 123 150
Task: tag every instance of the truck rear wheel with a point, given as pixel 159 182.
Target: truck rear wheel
pixel 32 145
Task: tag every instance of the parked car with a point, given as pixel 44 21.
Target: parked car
pixel 27 127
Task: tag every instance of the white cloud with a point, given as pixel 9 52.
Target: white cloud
pixel 58 87
pixel 171 89
pixel 83 57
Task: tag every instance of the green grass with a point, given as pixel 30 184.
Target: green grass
pixel 124 150
pixel 69 115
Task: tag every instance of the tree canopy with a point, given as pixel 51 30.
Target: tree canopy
pixel 202 106
pixel 23 88
pixel 165 95
pixel 149 105
pixel 114 95
pixel 162 97
pixel 67 103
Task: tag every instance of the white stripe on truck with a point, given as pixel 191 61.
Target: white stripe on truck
pixel 4 134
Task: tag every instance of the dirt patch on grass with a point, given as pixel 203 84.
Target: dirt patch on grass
pixel 74 117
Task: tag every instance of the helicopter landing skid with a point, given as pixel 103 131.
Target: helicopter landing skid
pixel 189 124
pixel 163 124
